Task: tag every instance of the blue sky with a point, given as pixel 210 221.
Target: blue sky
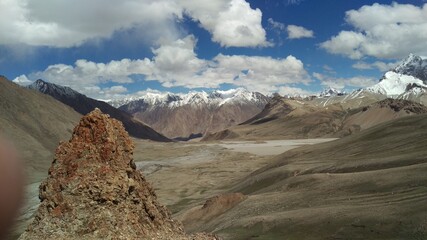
pixel 112 49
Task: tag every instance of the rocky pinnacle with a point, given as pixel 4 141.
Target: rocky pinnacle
pixel 94 191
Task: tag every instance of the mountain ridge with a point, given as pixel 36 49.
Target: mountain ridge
pixel 196 113
pixel 284 118
pixel 84 105
pixel 174 100
pixel 411 71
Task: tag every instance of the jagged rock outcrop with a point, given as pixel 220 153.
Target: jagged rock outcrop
pixel 93 190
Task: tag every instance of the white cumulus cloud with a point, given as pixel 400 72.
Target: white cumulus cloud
pixel 22 80
pixel 382 66
pixel 71 23
pixel 175 64
pixel 296 32
pixel 86 76
pixel 61 23
pixel 294 91
pixel 232 23
pixel 341 83
pixel 293 31
pixel 264 74
pixel 382 31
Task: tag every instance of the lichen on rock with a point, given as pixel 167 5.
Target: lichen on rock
pixel 94 191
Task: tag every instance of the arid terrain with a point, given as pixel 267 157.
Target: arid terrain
pixel 370 185
pixel 295 166
pixel 285 118
pixel 185 175
pixel 213 120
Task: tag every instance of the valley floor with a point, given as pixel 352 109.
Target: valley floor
pixel 185 174
pixel 351 188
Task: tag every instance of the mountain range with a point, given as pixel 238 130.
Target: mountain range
pixel 178 116
pixel 284 118
pixel 335 114
pixel 377 162
pixel 405 81
pixel 83 105
pixel 196 113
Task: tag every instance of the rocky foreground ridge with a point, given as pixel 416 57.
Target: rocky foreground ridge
pixel 94 191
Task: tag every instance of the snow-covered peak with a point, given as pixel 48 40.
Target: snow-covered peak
pixel 331 92
pixel 196 98
pixel 414 66
pixel 408 78
pixel 158 98
pixel 120 102
pixel 411 59
pixel 239 95
pixel 394 84
pixel 232 93
pixel 150 98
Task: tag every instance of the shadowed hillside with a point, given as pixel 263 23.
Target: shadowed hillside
pixel 35 123
pixel 84 105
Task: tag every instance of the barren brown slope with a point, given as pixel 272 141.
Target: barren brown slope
pixel 291 119
pixel 370 185
pixel 382 111
pixel 35 123
pixel 355 99
pixel 189 119
pixel 284 118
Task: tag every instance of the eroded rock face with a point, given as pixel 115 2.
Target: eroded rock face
pixel 93 190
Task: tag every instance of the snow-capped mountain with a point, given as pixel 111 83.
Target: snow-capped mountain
pixel 409 77
pixel 406 81
pixel 414 66
pixel 194 98
pixel 393 84
pixel 120 102
pixel 331 92
pixel 180 115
